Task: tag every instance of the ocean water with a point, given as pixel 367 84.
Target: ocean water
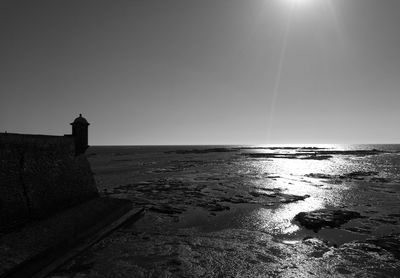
pixel 229 211
pixel 219 187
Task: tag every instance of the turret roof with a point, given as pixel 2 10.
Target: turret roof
pixel 80 120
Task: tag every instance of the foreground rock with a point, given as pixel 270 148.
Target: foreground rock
pixel 227 253
pixel 316 220
pixel 390 243
pixel 26 251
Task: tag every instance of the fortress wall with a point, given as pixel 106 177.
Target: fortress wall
pixel 13 206
pixel 40 175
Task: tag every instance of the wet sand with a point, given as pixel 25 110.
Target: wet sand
pixel 231 212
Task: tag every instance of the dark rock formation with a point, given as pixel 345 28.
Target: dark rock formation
pixel 316 220
pixel 289 198
pixel 313 154
pixel 299 155
pixel 279 196
pixel 357 175
pixel 203 151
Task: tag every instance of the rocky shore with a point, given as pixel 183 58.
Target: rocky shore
pixel 213 212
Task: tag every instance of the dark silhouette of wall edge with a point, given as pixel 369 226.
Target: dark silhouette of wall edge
pixel 41 175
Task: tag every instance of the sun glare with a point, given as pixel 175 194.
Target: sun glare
pixel 300 3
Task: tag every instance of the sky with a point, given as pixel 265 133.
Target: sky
pixel 189 72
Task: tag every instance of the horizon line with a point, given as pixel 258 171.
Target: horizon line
pixel 268 144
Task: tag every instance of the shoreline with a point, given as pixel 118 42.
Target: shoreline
pixel 210 207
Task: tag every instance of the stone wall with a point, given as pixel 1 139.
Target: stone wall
pixel 40 175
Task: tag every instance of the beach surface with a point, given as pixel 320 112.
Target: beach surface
pixel 239 211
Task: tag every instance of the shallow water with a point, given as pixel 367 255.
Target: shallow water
pixel 233 173
pixel 227 191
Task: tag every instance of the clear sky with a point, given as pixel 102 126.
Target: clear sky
pixel 203 71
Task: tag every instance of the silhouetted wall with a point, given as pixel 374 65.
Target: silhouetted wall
pixel 40 175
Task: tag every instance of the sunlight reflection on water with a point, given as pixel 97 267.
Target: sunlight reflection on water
pixel 279 221
pixel 289 180
pixel 294 166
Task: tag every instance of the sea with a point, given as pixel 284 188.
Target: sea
pixel 233 211
pixel 255 184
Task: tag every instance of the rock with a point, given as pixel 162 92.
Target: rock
pixel 299 155
pixel 386 220
pixel 259 194
pixel 166 209
pixel 316 220
pixel 314 154
pixel 234 200
pixel 358 174
pixel 293 198
pixel 202 151
pixel 273 177
pixel 282 198
pixel 218 207
pixel 319 176
pixel 390 243
pixel 362 249
pixel 317 157
pixel 360 230
pixel 319 247
pixel 379 179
